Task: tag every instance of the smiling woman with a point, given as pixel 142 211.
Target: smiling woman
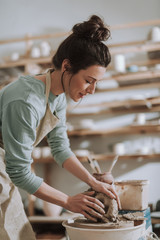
pixel 36 106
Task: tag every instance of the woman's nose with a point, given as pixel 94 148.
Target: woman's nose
pixel 91 89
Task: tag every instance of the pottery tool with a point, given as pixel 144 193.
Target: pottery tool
pixel 91 163
pixel 94 164
pixel 110 170
pixel 97 167
pixel 113 163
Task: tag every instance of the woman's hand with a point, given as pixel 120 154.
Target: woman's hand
pixel 87 205
pixel 104 177
pixel 108 189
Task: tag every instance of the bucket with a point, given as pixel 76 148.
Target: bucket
pixel 133 194
pixel 129 233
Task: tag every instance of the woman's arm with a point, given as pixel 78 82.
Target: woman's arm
pixel 80 203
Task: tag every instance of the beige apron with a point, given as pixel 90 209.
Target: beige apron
pixel 14 224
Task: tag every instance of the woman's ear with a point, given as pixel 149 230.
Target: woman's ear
pixel 66 65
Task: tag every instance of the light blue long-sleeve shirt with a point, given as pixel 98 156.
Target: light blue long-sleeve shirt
pixel 22 106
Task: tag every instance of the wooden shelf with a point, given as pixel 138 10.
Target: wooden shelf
pixel 40 37
pixel 116 111
pixel 150 74
pixel 139 63
pixel 119 107
pixel 25 61
pixel 136 24
pixel 130 87
pixel 109 157
pixel 133 129
pixel 147 46
pixel 106 157
pixel 128 103
pixel 48 219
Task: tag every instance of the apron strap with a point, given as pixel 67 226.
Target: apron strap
pixel 1 141
pixel 48 84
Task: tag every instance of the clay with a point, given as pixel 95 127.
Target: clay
pixel 111 207
pixel 111 219
pixel 134 216
pixel 104 177
pixel 88 224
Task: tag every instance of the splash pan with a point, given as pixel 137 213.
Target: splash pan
pixel 78 230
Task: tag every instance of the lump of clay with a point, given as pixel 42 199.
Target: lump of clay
pixel 111 208
pixel 111 205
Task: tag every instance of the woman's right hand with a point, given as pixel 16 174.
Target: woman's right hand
pixel 104 177
pixel 108 179
pixel 87 205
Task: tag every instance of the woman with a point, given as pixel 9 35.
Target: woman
pixel 33 107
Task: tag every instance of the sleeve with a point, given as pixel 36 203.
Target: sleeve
pixel 58 138
pixel 19 133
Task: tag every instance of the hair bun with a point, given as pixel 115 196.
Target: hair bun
pixel 93 29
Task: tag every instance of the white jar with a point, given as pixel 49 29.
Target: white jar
pixel 141 119
pixel 119 63
pixel 35 52
pixel 155 34
pixel 119 149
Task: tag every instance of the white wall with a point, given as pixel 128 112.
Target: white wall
pixel 20 17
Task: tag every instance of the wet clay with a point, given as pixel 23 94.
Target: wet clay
pixel 111 207
pixel 88 224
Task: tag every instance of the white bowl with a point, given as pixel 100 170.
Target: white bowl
pixel 130 233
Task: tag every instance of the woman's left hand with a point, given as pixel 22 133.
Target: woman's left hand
pixel 107 189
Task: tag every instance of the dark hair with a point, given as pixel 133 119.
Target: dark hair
pixel 84 47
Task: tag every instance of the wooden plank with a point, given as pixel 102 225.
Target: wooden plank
pixel 46 219
pixel 118 107
pixel 148 62
pixel 115 111
pixel 133 129
pixel 138 48
pixel 24 61
pixel 104 157
pixel 49 219
pixel 27 38
pixel 125 44
pixel 136 24
pixel 130 87
pixel 150 74
pixel 128 102
pixel 109 157
pixel 155 220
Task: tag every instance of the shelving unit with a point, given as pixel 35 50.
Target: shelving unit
pixel 119 107
pixel 125 81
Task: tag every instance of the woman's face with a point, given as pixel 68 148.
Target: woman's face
pixel 84 82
